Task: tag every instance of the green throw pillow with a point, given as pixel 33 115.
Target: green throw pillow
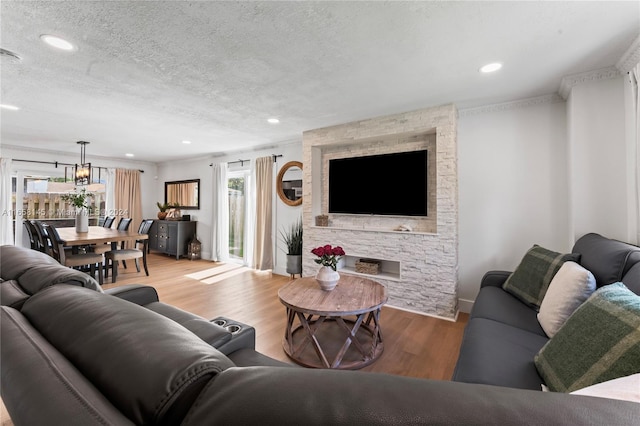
pixel 599 342
pixel 531 279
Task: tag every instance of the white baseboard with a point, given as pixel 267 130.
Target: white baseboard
pixel 423 313
pixel 465 305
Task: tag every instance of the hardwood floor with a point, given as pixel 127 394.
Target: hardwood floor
pixel 415 345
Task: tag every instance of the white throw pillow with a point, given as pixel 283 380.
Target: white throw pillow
pixel 569 288
pixel 625 388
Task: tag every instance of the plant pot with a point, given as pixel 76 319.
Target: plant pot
pixel 162 215
pixel 82 220
pixel 294 264
pixel 327 278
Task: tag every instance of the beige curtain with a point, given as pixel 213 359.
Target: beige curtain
pixel 128 197
pixel 263 245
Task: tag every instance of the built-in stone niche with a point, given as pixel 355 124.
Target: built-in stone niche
pixel 377 146
pixel 419 267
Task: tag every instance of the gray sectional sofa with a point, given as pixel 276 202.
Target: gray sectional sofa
pixel 503 334
pixel 25 272
pixel 74 355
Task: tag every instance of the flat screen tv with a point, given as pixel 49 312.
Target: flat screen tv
pixel 389 184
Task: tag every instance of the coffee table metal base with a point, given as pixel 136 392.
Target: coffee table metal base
pixel 335 342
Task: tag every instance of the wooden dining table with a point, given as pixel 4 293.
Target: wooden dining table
pixel 97 235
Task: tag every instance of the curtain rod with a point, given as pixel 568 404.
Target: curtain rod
pixel 274 156
pixel 57 163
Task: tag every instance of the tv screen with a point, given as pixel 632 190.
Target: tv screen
pixel 389 184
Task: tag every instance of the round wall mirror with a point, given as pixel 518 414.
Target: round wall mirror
pixel 289 183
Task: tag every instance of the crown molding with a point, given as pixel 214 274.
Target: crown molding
pixel 630 58
pixel 507 106
pixel 569 81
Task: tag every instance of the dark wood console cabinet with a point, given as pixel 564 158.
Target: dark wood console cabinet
pixel 171 236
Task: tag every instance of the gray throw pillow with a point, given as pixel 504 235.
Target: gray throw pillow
pixel 599 342
pixel 531 279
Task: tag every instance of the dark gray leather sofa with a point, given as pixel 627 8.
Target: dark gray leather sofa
pixel 25 272
pixel 76 356
pixel 503 334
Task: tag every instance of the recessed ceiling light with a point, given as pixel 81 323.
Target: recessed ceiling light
pixel 495 66
pixel 186 142
pixel 57 42
pixel 273 120
pixel 11 107
pixel 128 154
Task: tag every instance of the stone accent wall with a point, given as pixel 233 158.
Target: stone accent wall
pixel 423 262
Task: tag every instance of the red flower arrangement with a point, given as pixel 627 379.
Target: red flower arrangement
pixel 328 256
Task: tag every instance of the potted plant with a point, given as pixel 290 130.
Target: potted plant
pixel 79 200
pixel 292 238
pixel 162 214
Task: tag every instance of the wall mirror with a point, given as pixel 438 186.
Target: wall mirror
pixel 184 192
pixel 289 183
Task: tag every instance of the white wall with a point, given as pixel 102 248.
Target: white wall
pixel 512 187
pixel 285 214
pixel 190 169
pixel 543 174
pixel 599 181
pixel 200 169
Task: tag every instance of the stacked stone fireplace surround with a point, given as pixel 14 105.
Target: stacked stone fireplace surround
pixel 418 268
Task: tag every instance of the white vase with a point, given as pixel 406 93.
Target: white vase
pixel 82 220
pixel 327 278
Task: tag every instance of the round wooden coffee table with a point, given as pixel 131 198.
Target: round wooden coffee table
pixel 333 329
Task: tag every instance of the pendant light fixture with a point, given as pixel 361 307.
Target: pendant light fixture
pixel 83 171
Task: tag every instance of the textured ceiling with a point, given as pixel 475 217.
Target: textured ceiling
pixel 147 75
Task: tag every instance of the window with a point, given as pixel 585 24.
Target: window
pixel 40 198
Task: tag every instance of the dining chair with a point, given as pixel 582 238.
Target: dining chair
pixel 112 257
pixel 34 241
pixel 88 259
pixel 43 237
pixel 108 221
pixel 123 225
pixel 103 248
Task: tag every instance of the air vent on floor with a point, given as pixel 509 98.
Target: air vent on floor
pixel 10 56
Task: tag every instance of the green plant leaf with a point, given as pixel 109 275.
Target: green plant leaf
pixel 292 238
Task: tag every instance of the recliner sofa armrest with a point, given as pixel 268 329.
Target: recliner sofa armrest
pixel 136 293
pixel 494 278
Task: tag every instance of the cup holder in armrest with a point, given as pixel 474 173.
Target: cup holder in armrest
pixel 243 336
pixel 233 328
pixel 219 322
